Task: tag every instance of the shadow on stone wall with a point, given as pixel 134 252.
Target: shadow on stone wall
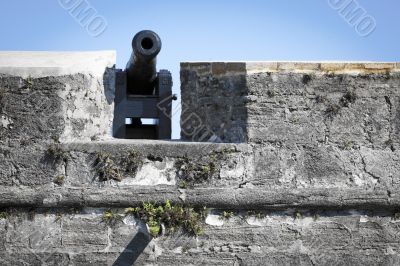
pixel 214 98
pixel 133 250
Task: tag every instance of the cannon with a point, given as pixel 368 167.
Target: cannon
pixel 142 93
pixel 141 67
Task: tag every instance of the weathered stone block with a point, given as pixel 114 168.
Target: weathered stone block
pixel 32 232
pixel 59 96
pixel 87 231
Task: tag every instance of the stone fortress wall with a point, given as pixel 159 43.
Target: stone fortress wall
pixel 296 164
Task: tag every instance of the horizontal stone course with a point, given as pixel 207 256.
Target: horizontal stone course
pixel 225 169
pixel 280 238
pixel 233 198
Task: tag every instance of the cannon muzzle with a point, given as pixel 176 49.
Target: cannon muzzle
pixel 141 68
pixel 143 93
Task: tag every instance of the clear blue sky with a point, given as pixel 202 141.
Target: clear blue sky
pixel 208 30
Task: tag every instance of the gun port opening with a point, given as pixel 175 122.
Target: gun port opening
pixel 141 128
pixel 141 121
pixel 147 43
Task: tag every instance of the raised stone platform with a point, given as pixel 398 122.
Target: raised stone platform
pixel 297 164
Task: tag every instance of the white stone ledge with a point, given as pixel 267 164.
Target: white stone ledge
pixel 331 67
pixel 46 63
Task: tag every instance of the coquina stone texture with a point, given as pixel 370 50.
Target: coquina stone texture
pixel 296 163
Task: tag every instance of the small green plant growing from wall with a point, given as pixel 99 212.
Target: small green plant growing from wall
pixel 29 82
pixel 106 168
pixel 183 184
pixel 58 154
pixel 297 215
pixel 111 218
pixel 348 145
pixel 59 180
pixel 173 217
pixel 113 168
pixel 58 217
pixel 197 171
pixel 132 162
pixel 4 215
pixel 226 215
pixel 192 173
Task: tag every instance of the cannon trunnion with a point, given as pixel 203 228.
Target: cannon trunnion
pixel 143 93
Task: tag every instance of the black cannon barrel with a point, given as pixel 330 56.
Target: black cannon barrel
pixel 141 68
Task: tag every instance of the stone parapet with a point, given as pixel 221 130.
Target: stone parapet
pixel 62 96
pixel 291 103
